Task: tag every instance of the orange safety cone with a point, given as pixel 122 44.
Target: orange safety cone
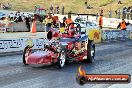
pixel 33 28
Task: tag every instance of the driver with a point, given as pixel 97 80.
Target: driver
pixel 69 22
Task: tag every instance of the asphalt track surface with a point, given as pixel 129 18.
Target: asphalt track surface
pixel 111 58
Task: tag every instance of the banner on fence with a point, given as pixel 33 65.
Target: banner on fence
pixel 113 22
pixel 109 35
pixel 95 35
pixel 18 44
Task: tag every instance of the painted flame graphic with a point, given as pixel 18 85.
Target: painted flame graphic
pixel 81 71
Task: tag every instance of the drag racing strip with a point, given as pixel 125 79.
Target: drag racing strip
pixel 104 47
pixel 106 65
pixel 108 45
pixel 126 69
pixel 110 58
pixel 10 59
pixel 39 80
pixel 33 74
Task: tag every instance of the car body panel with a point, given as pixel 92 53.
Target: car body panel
pixel 40 57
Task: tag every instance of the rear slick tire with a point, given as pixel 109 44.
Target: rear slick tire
pixel 90 51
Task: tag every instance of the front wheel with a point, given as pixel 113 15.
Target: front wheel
pixel 26 53
pixel 61 60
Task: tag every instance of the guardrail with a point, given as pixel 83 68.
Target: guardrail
pixel 12 42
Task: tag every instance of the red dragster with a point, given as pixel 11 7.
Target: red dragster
pixel 62 47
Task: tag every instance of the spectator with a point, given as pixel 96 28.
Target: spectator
pixel 116 12
pixel 51 9
pixel 87 17
pixel 15 19
pixel 27 20
pixel 101 12
pixel 124 13
pixel 97 15
pixel 48 22
pixel 110 14
pixel 128 12
pixel 20 19
pixel 131 13
pixel 57 9
pixel 64 19
pixel 119 2
pixel 128 9
pixel 23 17
pixel 63 9
pixel 119 14
pixel 11 18
pixel 78 19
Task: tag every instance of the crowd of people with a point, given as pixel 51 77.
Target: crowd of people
pixel 50 20
pixel 19 17
pixel 56 9
pixel 125 13
pixel 5 6
pixel 53 21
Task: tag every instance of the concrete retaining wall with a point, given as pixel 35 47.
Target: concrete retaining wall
pixel 21 27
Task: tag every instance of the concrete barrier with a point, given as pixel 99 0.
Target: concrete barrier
pixel 21 27
pixel 18 43
pixel 22 35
